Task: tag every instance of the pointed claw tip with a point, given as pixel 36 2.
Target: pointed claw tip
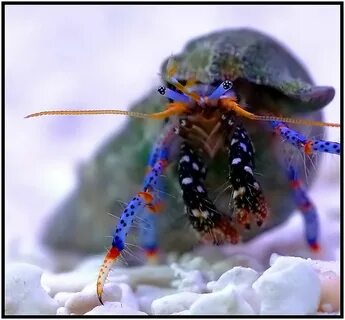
pixel 100 300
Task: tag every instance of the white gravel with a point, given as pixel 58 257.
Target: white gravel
pixel 291 285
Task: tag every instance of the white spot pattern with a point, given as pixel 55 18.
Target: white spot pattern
pixel 187 180
pixel 236 161
pixel 195 166
pixel 248 169
pixel 233 141
pixel 243 146
pixel 185 159
pixel 200 189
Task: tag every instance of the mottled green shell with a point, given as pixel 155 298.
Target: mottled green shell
pixel 244 55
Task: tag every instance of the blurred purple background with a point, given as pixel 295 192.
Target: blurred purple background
pixel 60 57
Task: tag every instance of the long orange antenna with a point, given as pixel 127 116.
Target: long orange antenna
pixel 172 109
pixel 87 112
pixel 231 104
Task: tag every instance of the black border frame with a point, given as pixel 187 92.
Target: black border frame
pixel 3 19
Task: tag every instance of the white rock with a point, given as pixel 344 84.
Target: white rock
pixel 235 260
pixel 325 266
pixel 160 275
pixel 147 293
pixel 239 277
pixel 68 281
pixel 62 311
pixel 330 292
pixel 274 256
pixel 128 297
pixel 289 286
pixel 173 303
pixel 326 307
pixel 86 300
pixel 195 263
pixel 24 292
pixel 114 308
pixel 75 280
pixel 62 297
pixel 329 275
pixel 193 280
pixel 225 302
pixel 184 312
pixel 328 314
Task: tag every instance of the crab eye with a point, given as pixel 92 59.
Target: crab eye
pixel 161 90
pixel 173 95
pixel 227 85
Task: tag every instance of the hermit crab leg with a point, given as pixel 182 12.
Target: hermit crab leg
pixel 202 213
pixel 142 199
pixel 248 199
pixel 308 146
pixel 147 232
pixel 307 208
pixel 148 237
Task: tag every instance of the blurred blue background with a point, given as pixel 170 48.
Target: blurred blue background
pixel 60 57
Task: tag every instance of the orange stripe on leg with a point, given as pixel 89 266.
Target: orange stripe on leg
pixel 146 196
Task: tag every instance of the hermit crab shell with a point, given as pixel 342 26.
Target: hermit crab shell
pixel 248 58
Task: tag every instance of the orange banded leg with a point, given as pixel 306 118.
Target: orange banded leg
pixel 140 201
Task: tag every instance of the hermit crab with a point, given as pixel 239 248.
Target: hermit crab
pixel 238 112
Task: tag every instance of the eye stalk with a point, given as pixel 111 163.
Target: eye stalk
pixel 187 94
pixel 224 87
pixel 173 95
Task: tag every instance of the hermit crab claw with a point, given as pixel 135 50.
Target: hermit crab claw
pixel 103 273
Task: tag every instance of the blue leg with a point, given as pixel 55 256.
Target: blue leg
pixel 308 146
pixel 147 199
pixel 307 208
pixel 304 204
pixel 148 235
